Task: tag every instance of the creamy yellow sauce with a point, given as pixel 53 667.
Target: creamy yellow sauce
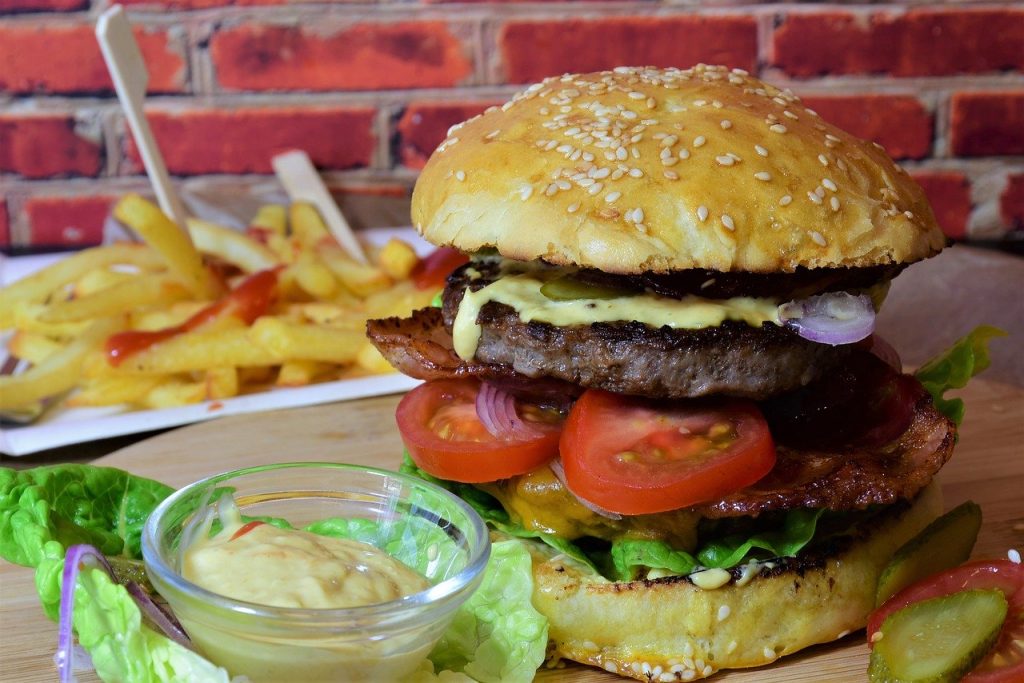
pixel 523 293
pixel 291 568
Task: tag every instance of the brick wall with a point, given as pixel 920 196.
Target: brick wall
pixel 369 88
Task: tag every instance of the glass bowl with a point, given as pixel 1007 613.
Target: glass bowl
pixel 421 524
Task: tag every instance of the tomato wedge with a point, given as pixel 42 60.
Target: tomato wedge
pixel 432 272
pixel 439 425
pixel 1005 662
pixel 636 456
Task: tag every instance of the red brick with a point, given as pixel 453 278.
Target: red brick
pixel 43 146
pixel 987 124
pixel 1011 204
pixel 43 58
pixel 950 195
pixel 5 225
pixel 243 140
pixel 899 123
pixel 11 6
pixel 67 221
pixel 424 125
pixel 534 50
pixel 360 57
pixel 928 42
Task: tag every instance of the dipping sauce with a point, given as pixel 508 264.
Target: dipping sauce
pixel 260 563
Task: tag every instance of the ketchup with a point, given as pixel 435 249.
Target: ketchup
pixel 248 301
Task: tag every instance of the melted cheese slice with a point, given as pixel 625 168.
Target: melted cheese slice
pixel 522 292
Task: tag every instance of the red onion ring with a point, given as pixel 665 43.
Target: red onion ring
pixel 559 470
pixel 833 318
pixel 886 352
pixel 496 409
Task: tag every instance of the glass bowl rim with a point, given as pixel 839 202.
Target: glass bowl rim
pixel 436 595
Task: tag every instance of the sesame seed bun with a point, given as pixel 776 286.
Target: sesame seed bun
pixel 673 627
pixel 644 169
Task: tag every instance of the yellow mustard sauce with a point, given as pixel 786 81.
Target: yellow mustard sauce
pixel 523 293
pixel 291 568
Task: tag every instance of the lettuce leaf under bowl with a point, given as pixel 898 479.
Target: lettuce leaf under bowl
pixel 955 366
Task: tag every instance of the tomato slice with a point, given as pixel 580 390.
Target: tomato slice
pixel 1005 662
pixel 433 271
pixel 439 425
pixel 637 456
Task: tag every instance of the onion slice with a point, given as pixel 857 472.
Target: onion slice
pixel 833 318
pixel 82 556
pixel 886 352
pixel 496 409
pixel 559 470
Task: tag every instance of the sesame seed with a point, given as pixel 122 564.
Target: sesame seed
pixel 636 173
pixel 600 173
pixel 585 182
pixel 551 190
pixel 587 156
pixel 460 175
pixel 571 131
pixel 621 154
pixel 823 159
pixel 834 203
pixel 595 188
pixel 786 200
pixel 699 141
pixel 493 134
pixel 638 215
pixel 634 95
pixel 563 184
pixel 814 197
pixel 725 160
pixel 833 138
pixel 573 208
pixel 688 651
pixel 818 238
pixel 641 227
pixel 544 111
pixel 684 154
pixel 651 103
pixel 820 191
pixel 763 175
pixel 688 675
pixel 611 667
pixel 635 152
pixel 732 647
pixel 761 150
pixel 768 653
pixel 551 145
pixel 525 192
pixel 777 128
pixel 790 114
pixel 699 103
pixel 665 153
pixel 707 671
pixel 702 213
pixel 909 214
pixel 671 175
pixel 669 161
pixel 637 138
pixel 723 612
pixel 827 182
pixel 669 140
pixel 1013 555
pixel 726 124
pixel 612 196
pixel 716 104
pixel 727 222
pixel 565 149
pixel 618 173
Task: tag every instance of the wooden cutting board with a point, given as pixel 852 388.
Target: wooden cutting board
pixel 988 467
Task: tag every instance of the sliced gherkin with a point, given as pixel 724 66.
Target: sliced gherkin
pixel 938 640
pixel 568 288
pixel 945 543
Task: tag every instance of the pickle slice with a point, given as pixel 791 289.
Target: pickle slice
pixel 938 640
pixel 568 288
pixel 945 543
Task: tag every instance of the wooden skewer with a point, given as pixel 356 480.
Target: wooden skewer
pixel 128 71
pixel 302 182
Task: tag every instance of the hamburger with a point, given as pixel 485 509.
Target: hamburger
pixel 659 366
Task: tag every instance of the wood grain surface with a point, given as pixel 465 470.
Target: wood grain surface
pixel 987 467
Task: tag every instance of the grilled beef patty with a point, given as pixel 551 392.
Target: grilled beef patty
pixel 632 358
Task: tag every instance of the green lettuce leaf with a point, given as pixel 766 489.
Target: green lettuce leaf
pixel 954 367
pixel 109 626
pixel 497 635
pixel 71 504
pixel 797 529
pixel 492 512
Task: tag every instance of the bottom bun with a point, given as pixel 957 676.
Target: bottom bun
pixel 669 629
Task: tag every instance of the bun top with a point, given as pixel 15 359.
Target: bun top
pixel 644 169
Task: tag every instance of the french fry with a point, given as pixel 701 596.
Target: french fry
pixel 169 241
pixel 369 358
pixel 272 217
pixel 221 382
pixel 231 246
pixel 397 259
pixel 197 351
pixel 39 286
pixel 172 316
pixel 58 373
pixel 361 279
pixel 299 373
pixel 306 342
pixel 27 317
pixel 152 289
pixel 399 300
pixel 114 390
pixel 307 225
pixel 173 393
pixel 314 277
pixel 32 346
pixel 99 279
